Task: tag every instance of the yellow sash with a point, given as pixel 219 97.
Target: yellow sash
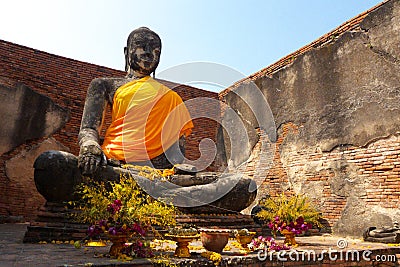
pixel 147 118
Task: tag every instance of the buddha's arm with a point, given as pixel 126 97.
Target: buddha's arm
pixel 95 105
pixel 91 155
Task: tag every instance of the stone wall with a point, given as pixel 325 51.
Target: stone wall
pixel 41 104
pixel 336 107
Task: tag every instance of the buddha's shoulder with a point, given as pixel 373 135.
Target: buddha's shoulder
pixel 111 82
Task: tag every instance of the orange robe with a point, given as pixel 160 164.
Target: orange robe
pixel 147 118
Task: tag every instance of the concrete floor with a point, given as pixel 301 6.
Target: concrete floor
pixel 13 252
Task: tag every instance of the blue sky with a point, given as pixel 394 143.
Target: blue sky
pixel 243 35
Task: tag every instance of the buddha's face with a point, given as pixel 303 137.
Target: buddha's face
pixel 143 52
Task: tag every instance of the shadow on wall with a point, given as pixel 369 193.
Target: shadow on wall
pixel 28 115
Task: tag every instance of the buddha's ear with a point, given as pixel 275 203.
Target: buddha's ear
pixel 126 59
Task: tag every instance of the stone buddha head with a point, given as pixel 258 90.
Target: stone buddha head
pixel 142 53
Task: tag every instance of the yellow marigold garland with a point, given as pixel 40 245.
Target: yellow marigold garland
pixel 149 172
pixel 215 257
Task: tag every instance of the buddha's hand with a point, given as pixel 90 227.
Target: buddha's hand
pixel 91 158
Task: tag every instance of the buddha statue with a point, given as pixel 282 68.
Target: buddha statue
pixel 385 234
pixel 149 127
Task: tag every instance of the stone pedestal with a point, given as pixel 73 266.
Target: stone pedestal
pixel 53 223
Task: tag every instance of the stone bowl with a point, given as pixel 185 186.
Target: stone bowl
pixel 214 239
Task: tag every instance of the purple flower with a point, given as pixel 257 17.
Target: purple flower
pixel 114 207
pixel 118 202
pixel 136 227
pixel 102 223
pixel 91 230
pixel 267 243
pixel 112 231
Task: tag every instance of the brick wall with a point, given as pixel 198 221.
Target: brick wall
pixel 344 157
pixel 65 81
pixel 377 168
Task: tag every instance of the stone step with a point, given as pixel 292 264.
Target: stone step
pixel 35 234
pixel 53 223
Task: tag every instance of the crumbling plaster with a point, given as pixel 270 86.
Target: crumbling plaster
pixel 342 95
